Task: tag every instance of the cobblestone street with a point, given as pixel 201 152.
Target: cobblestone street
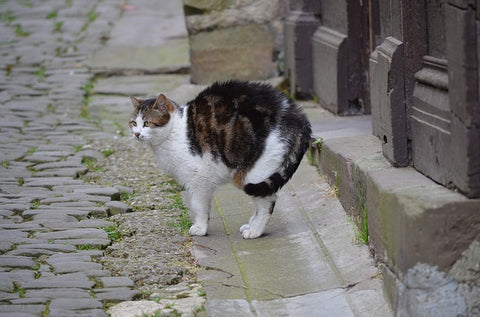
pixel 51 222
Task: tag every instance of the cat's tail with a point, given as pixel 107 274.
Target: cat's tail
pixel 292 159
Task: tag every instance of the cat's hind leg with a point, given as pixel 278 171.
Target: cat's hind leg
pixel 199 204
pixel 258 222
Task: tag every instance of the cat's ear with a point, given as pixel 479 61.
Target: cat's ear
pixel 164 104
pixel 136 102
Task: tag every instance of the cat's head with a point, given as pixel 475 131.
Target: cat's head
pixel 150 117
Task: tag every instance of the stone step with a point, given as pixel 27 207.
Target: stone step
pixel 416 227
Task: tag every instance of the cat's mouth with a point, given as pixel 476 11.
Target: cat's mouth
pixel 139 137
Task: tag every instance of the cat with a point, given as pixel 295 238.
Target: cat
pixel 247 133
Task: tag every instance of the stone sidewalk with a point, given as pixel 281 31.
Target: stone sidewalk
pixel 53 225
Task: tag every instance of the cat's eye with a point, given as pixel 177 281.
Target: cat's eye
pixel 133 123
pixel 147 124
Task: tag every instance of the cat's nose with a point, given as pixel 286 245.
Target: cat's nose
pixel 137 135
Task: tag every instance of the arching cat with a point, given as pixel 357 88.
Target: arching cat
pixel 247 133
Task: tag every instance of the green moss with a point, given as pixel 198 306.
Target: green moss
pixel 5 164
pixel 360 226
pixel 35 204
pixel 8 17
pixel 52 15
pixel 113 234
pixel 57 28
pixel 183 221
pixel 20 32
pixel 31 151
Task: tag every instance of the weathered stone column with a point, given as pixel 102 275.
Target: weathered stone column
pixel 341 48
pixel 462 34
pixel 232 39
pixel 300 25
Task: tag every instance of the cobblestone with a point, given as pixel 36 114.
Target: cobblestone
pixel 48 216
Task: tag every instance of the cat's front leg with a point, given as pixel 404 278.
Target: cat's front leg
pixel 200 210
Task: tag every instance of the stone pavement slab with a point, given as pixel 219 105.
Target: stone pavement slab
pixel 306 264
pixel 158 44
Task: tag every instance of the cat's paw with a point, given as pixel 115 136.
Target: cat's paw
pixel 244 227
pixel 248 233
pixel 197 230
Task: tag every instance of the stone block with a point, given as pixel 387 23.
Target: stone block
pixel 430 122
pixel 330 69
pixel 465 161
pixel 71 280
pixel 75 303
pixel 119 281
pixel 239 52
pixel 388 101
pixel 117 294
pixel 375 94
pixel 411 219
pixel 461 46
pixel 16 261
pixel 299 28
pixel 76 266
pixel 73 234
pixel 427 292
pixel 117 207
pixel 27 310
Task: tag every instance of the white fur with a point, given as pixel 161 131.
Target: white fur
pixel 269 161
pixel 201 175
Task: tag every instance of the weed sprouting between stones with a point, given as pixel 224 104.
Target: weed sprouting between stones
pixel 360 226
pixel 113 234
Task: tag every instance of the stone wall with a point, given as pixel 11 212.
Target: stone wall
pixel 234 39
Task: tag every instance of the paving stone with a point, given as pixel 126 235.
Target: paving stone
pixel 85 223
pixel 50 293
pixel 15 207
pixel 32 309
pixel 51 181
pixel 76 266
pixel 37 158
pixel 66 257
pixel 74 234
pixel 82 204
pixel 5 246
pixel 116 294
pixel 90 154
pixel 74 280
pixel 6 284
pixel 26 226
pixel 42 217
pixel 74 172
pixel 111 192
pixel 75 303
pixel 124 189
pixel 17 315
pixel 6 213
pixel 16 261
pixel 31 252
pixel 100 243
pixel 8 296
pixel 117 207
pixel 36 300
pixel 76 197
pixel 61 164
pixel 118 281
pixel 99 273
pixel 79 313
pixel 57 213
pixel 12 235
